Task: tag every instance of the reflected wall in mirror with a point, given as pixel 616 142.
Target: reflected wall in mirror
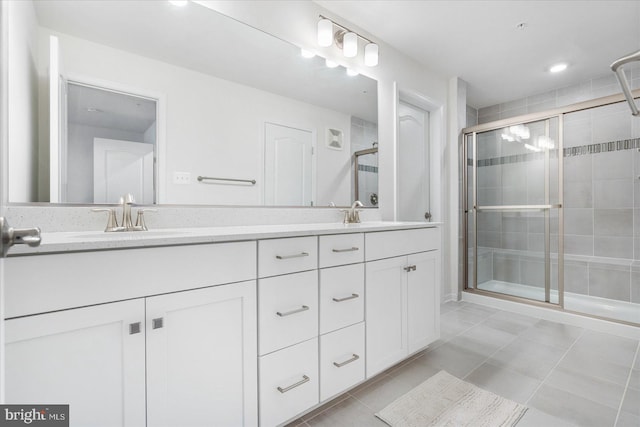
pixel 218 89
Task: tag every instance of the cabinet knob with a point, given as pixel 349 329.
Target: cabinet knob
pixel 157 323
pixel 410 268
pixel 134 328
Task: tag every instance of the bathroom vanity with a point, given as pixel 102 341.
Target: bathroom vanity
pixel 237 325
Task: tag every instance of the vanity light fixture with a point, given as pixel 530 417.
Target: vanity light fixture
pixel 179 3
pixel 325 32
pixel 346 40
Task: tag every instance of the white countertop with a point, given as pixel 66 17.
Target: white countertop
pixel 99 240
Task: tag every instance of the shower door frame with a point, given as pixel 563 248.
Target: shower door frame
pixel 466 209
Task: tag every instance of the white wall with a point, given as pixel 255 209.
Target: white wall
pixel 214 127
pixel 296 22
pixel 23 101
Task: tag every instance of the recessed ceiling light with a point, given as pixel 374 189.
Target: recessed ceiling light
pixel 557 68
pixel 179 3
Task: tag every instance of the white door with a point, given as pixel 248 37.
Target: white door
pixel 386 307
pixel 423 306
pixel 413 163
pixel 122 167
pixel 202 357
pixel 288 166
pixel 90 358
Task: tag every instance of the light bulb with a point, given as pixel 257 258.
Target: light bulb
pixel 325 32
pixel 371 55
pixel 557 68
pixel 350 45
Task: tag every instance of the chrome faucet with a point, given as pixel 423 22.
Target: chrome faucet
pixel 352 215
pixel 127 224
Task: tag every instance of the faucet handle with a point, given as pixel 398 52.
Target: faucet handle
pixel 140 224
pixel 112 222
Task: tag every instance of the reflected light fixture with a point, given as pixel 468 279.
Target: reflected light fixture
pixel 179 3
pixel 346 40
pixel 306 53
pixel 331 64
pixel 351 72
pixel 325 32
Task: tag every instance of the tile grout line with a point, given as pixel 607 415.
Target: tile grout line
pixel 626 388
pixel 584 331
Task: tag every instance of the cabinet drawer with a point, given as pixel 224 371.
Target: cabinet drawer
pixel 341 360
pixel 387 244
pixel 288 310
pixel 341 249
pixel 282 256
pixel 288 382
pixel 341 297
pixel 67 280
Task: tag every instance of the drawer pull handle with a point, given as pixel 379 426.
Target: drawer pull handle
pixel 305 379
pixel 353 296
pixel 300 255
pixel 346 362
pixel 410 268
pixel 353 249
pixel 288 313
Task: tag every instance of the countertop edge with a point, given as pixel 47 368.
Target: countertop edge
pixel 61 242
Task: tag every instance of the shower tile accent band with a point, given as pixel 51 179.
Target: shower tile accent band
pixel 367 168
pixel 625 144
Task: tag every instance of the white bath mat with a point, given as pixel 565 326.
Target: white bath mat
pixel 444 400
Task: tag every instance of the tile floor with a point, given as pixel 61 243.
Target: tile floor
pixel 566 375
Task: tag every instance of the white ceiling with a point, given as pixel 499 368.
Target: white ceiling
pixel 478 40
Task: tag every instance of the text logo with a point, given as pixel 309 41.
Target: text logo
pixel 34 415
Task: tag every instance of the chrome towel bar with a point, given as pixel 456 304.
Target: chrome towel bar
pixel 616 67
pixel 210 178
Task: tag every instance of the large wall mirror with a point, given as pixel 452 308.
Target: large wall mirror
pixel 179 105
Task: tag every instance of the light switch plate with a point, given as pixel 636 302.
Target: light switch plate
pixel 182 178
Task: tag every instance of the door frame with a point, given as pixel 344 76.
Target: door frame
pixel 4 146
pixel 314 157
pixel 160 161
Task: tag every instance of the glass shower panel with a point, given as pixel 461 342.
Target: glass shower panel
pixel 517 210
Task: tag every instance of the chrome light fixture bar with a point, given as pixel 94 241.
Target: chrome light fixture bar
pixel 346 40
pixel 616 67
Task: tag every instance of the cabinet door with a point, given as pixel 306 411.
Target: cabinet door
pixel 423 310
pixel 386 307
pixel 201 357
pixel 90 358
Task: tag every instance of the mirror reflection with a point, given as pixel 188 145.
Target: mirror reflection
pixel 181 106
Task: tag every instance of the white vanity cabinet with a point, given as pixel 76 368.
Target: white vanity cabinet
pixel 195 349
pixel 91 358
pixel 201 357
pixel 402 295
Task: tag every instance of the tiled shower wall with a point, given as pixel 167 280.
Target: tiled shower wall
pixel 601 198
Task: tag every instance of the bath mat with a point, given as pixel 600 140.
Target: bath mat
pixel 444 400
